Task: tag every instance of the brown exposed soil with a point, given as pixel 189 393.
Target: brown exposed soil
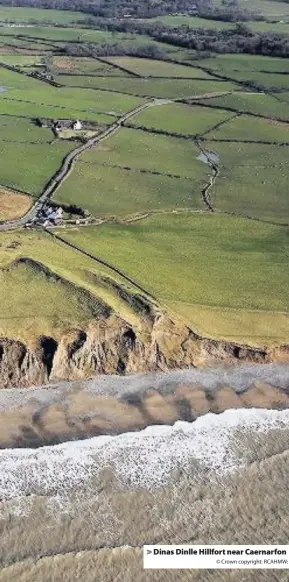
pixel 110 345
pixel 65 63
pixel 12 204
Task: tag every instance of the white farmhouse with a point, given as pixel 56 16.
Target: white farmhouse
pixel 77 125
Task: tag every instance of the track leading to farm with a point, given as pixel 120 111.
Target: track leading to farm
pixel 66 167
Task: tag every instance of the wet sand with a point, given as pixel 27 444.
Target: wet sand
pixel 107 405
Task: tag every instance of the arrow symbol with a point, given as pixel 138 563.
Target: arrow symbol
pixel 149 552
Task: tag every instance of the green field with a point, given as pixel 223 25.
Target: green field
pixel 141 150
pixel 223 273
pixel 253 180
pixel 64 304
pixel 121 178
pixel 106 191
pixel 269 81
pixel 231 63
pixel 192 21
pixel 247 128
pixel 23 130
pixel 28 167
pixel 85 66
pixel 155 68
pixel 25 287
pixel 268 8
pixel 183 119
pixel 255 103
pixel 31 15
pixel 195 22
pixel 161 88
pixel 202 253
pixel 28 96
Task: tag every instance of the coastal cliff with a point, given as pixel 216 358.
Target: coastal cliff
pixel 111 345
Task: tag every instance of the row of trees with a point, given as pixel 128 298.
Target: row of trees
pixel 230 10
pixel 240 39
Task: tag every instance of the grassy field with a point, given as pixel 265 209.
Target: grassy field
pixel 36 163
pixel 120 177
pixel 231 63
pixel 195 22
pixel 177 118
pixel 268 81
pixel 247 128
pixel 62 305
pixel 252 181
pixel 19 60
pixel 162 88
pixel 144 151
pixel 268 8
pixel 32 109
pixel 23 130
pixel 32 15
pixel 25 288
pixel 154 68
pixel 106 191
pixel 192 21
pixel 85 65
pixel 31 97
pixel 257 103
pixel 137 172
pixel 202 253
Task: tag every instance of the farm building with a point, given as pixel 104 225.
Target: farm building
pixel 77 125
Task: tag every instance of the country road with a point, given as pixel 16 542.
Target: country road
pixel 66 167
pixel 67 163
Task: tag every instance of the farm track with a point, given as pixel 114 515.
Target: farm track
pixel 66 168
pixel 68 161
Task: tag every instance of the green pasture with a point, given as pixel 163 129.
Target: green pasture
pixel 32 109
pixel 192 21
pixel 216 261
pixel 279 26
pixel 135 172
pixel 85 65
pixel 256 103
pixel 155 68
pixel 64 304
pixel 146 151
pixel 35 300
pixel 107 191
pixel 282 98
pixel 18 60
pixel 22 130
pixel 253 180
pixel 270 9
pixel 56 33
pixel 250 128
pixel 34 15
pixel 269 81
pixel 57 36
pixel 231 63
pixel 26 93
pixel 160 88
pixel 183 119
pixel 28 167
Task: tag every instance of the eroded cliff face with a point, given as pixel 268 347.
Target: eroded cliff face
pixel 111 346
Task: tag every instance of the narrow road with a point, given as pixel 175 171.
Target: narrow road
pixel 66 167
pixel 67 163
